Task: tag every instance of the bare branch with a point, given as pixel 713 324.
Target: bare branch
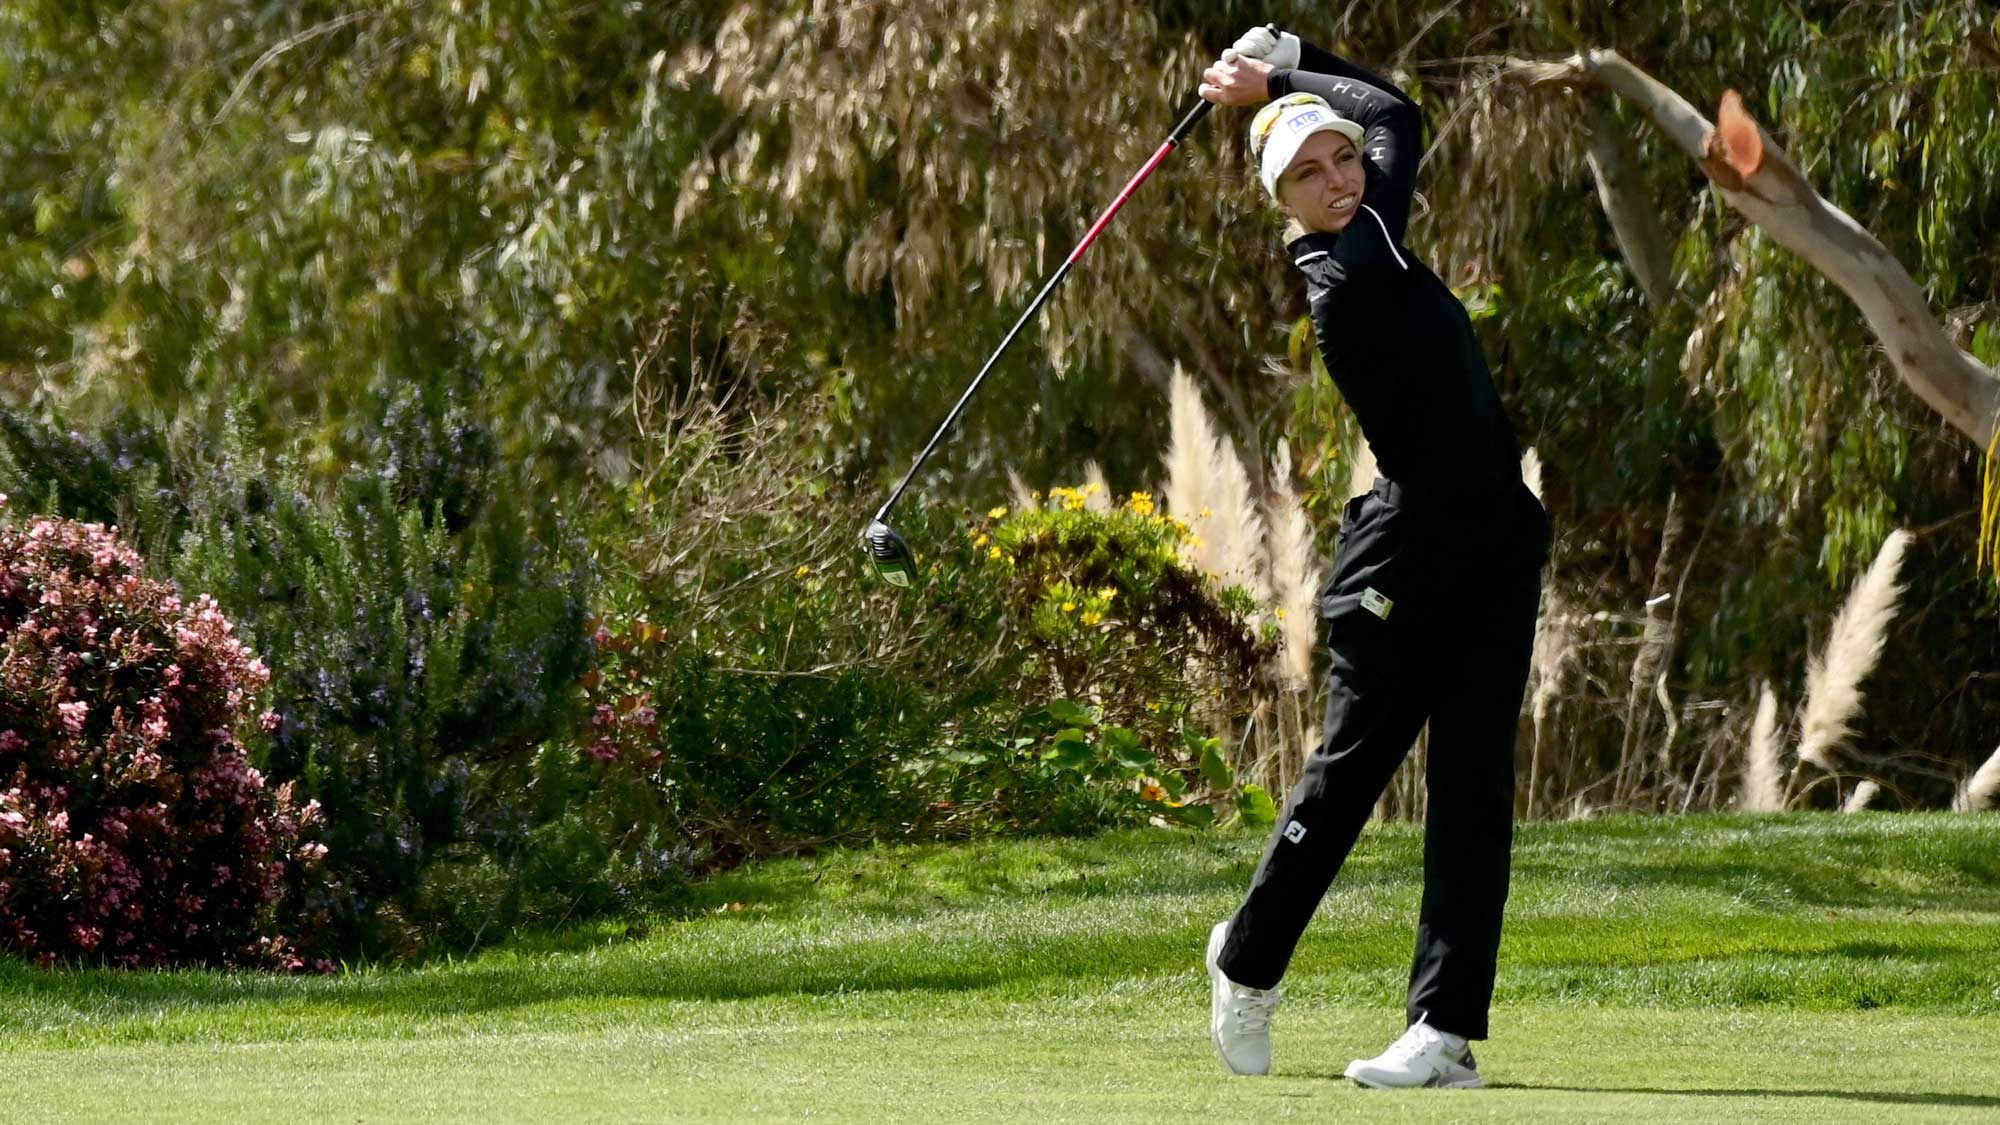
pixel 1635 219
pixel 277 51
pixel 1760 181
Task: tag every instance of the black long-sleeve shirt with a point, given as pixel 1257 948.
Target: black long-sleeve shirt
pixel 1395 338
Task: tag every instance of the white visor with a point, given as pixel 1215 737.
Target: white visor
pixel 1282 127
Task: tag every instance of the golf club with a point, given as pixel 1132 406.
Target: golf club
pixel 885 547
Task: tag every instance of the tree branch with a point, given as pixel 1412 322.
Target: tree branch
pixel 1758 180
pixel 1635 219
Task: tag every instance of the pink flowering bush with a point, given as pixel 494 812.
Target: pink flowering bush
pixel 133 829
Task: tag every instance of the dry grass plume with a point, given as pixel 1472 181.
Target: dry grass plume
pixel 1295 573
pixel 1981 791
pixel 1833 678
pixel 1763 781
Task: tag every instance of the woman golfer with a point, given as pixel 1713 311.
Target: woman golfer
pixel 1430 613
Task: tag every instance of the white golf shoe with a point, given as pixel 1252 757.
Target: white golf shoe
pixel 1239 1018
pixel 1424 1056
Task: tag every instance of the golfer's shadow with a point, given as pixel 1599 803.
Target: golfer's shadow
pixel 1963 1101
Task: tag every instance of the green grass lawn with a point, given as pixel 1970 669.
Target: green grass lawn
pixel 1804 968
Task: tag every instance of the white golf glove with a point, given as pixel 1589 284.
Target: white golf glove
pixel 1279 48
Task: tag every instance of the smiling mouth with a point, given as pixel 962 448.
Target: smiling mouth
pixel 1344 203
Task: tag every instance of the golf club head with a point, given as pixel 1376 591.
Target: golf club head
pixel 892 557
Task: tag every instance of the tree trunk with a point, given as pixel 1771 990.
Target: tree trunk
pixel 1654 646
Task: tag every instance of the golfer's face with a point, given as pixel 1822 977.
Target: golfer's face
pixel 1322 188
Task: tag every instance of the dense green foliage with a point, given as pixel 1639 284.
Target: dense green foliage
pixel 1650 965
pixel 756 692
pixel 439 341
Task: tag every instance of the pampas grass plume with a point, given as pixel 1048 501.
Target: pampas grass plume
pixel 1763 782
pixel 1833 678
pixel 1982 790
pixel 1024 497
pixel 1235 528
pixel 1862 796
pixel 1295 572
pixel 1361 473
pixel 1208 488
pixel 1531 471
pixel 1096 492
pixel 1190 445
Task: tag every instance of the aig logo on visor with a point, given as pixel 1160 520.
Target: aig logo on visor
pixel 1301 120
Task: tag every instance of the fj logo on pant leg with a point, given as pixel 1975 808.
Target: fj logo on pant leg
pixel 1376 603
pixel 1295 832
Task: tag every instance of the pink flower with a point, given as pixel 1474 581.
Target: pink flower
pixel 269 722
pixel 12 740
pixel 73 714
pixel 604 750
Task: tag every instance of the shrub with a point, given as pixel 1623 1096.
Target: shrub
pixel 758 691
pixel 133 829
pixel 797 709
pixel 425 638
pixel 1104 607
pixel 418 666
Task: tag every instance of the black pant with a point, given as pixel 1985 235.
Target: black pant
pixel 1427 619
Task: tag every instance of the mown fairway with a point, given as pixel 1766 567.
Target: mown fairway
pixel 1803 968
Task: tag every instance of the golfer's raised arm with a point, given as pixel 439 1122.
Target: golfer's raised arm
pixel 1318 60
pixel 1391 145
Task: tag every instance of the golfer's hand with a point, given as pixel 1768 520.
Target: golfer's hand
pixel 1279 48
pixel 1237 80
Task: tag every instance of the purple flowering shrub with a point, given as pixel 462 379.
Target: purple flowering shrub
pixel 133 829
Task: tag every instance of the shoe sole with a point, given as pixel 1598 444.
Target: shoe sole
pixel 1472 1083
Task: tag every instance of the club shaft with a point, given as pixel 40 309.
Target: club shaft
pixel 1173 140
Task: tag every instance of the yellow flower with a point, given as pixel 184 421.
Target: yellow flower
pixel 1153 791
pixel 1069 607
pixel 802 572
pixel 1092 617
pixel 1152 705
pixel 979 542
pixel 1281 614
pixel 1093 486
pixel 997 514
pixel 1207 512
pixel 994 553
pixel 1108 593
pixel 1196 543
